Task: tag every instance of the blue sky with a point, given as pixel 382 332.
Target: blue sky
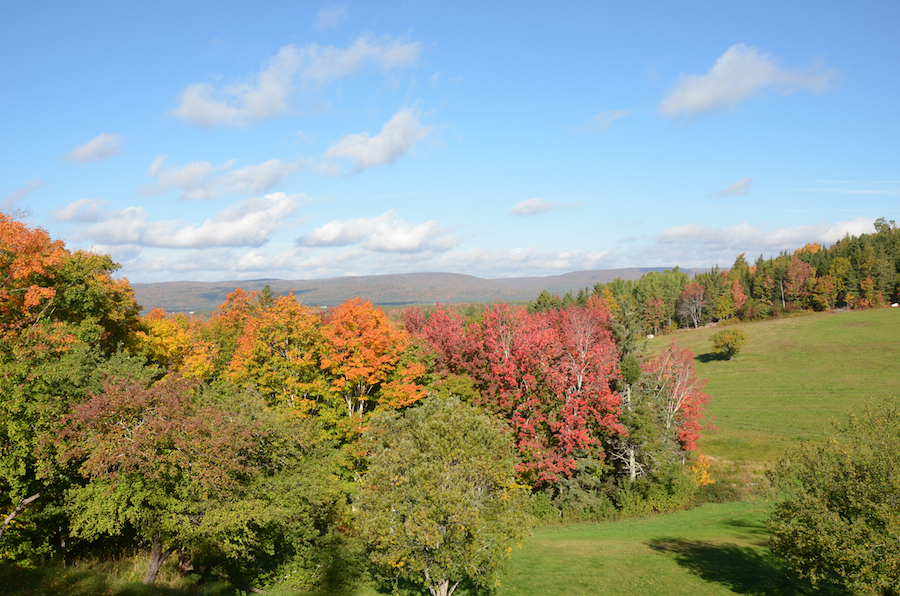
pixel 299 140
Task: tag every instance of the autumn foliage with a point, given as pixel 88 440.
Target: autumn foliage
pixel 236 438
pixel 548 374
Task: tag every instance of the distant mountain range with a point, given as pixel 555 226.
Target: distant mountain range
pixel 385 290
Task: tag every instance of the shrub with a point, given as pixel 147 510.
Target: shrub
pixel 728 343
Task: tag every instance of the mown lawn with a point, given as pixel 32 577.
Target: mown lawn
pixel 711 550
pixel 794 377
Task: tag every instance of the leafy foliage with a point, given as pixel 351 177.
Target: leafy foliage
pixel 439 502
pixel 728 342
pixel 837 515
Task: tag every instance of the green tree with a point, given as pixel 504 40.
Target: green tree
pixel 160 463
pixel 439 502
pixel 728 342
pixel 837 514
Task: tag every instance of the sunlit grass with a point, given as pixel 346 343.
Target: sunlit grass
pixel 711 550
pixel 793 378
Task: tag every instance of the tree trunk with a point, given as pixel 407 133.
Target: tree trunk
pixel 19 509
pixel 157 558
pixel 439 587
pixel 632 467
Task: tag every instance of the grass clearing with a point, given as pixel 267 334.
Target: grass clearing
pixel 711 550
pixel 792 379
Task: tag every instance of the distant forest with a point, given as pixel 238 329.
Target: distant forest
pixel 855 272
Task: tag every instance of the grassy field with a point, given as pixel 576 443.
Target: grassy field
pixel 711 550
pixel 794 377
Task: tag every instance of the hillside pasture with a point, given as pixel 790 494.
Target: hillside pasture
pixel 795 376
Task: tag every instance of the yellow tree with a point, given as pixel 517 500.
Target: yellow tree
pixel 177 345
pixel 278 354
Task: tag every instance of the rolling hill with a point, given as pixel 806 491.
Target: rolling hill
pixel 385 290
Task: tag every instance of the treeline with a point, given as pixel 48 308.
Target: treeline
pixel 856 272
pixel 261 444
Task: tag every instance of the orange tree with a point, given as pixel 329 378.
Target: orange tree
pixel 278 354
pixel 367 363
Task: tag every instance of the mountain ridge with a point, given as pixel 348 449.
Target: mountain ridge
pixel 392 289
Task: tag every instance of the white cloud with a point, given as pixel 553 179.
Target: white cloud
pixel 80 211
pixel 270 94
pixel 604 120
pixel 101 147
pixel 122 226
pixel 532 206
pixel 246 223
pixel 700 245
pixel 200 180
pixel 331 16
pixel 536 205
pixel 17 195
pixel 530 261
pixel 738 74
pixel 385 233
pixel 741 187
pixel 397 138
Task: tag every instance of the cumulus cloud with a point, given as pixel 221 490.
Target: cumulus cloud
pixel 738 74
pixel 101 147
pixel 246 223
pixel 200 180
pixel 81 211
pixel 17 195
pixel 397 138
pixel 385 233
pixel 604 120
pixel 270 93
pixel 697 244
pixel 741 187
pixel 536 205
pixel 331 16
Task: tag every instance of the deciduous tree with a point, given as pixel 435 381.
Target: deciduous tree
pixel 837 514
pixel 158 462
pixel 439 502
pixel 691 304
pixel 728 342
pixel 278 354
pixel 362 354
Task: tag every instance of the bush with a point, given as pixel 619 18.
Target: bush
pixel 728 343
pixel 670 491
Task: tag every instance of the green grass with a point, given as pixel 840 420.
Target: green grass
pixel 792 379
pixel 711 550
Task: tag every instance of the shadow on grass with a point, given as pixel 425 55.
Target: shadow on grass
pixel 710 357
pixel 743 570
